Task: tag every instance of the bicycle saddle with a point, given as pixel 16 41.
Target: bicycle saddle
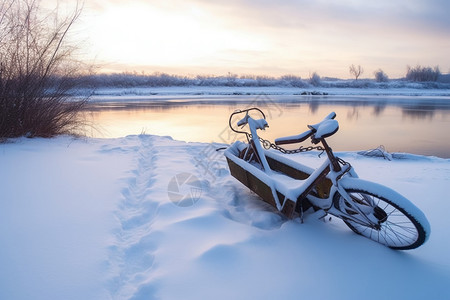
pixel 323 129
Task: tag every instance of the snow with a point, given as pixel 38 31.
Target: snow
pixel 189 92
pixel 94 219
pixel 326 128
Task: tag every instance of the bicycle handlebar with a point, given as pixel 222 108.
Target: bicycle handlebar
pixel 244 120
pixel 317 132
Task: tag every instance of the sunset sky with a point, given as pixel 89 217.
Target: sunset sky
pixel 267 37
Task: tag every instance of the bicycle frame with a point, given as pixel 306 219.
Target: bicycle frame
pixel 363 213
pixel 332 168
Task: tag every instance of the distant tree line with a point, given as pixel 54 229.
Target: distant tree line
pixel 134 79
pixel 418 73
pixel 157 79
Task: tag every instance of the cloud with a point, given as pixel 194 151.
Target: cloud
pixel 417 16
pixel 428 16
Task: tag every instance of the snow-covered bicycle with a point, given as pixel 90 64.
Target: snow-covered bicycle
pixel 369 209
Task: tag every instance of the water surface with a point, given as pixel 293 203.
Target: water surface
pixel 418 125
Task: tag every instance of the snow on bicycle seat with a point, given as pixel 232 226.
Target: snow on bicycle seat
pixel 324 129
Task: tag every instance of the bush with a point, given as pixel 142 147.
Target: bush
pixel 36 72
pixel 419 73
pixel 293 80
pixel 380 76
pixel 314 79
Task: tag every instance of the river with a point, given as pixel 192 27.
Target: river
pixel 412 124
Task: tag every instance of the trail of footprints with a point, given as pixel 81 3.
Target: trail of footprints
pixel 132 255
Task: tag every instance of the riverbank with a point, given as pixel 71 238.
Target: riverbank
pixel 412 89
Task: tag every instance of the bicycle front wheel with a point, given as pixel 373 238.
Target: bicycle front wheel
pixel 398 223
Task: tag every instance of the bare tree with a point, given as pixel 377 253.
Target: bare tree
pixel 37 69
pixel 356 71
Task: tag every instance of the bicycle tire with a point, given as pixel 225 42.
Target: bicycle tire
pixel 402 226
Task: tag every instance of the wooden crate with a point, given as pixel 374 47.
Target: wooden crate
pixel 293 206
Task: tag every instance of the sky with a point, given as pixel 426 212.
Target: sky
pixel 298 37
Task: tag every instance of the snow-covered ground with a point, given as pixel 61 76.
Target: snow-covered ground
pixel 192 91
pixel 105 219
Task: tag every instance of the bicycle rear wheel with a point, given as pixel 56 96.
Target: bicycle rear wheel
pixel 399 224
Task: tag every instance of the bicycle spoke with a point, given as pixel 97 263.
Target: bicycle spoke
pixel 396 229
pixel 399 236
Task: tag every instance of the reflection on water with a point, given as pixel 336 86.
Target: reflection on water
pixel 416 125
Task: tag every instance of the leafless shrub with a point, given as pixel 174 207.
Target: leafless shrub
pixel 37 70
pixel 314 79
pixel 293 80
pixel 420 73
pixel 380 76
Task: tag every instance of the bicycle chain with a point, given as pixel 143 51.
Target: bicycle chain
pixel 267 145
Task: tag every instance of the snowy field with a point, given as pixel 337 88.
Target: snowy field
pixel 100 219
pixel 393 89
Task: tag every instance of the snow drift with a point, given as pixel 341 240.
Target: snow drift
pixel 99 219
